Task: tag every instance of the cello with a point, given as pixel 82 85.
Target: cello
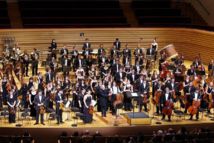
pixel 167 110
pixel 194 108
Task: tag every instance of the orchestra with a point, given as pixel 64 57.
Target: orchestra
pixel 104 80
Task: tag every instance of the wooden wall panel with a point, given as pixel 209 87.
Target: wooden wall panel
pixel 190 42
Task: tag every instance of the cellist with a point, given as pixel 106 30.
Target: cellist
pixel 195 98
pixel 167 104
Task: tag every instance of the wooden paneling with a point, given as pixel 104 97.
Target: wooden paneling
pixel 190 42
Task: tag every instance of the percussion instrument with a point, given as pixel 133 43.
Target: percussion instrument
pixel 170 51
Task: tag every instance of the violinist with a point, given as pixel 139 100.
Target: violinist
pixel 144 95
pixel 195 98
pixel 39 103
pixel 167 104
pixel 11 101
pixel 87 100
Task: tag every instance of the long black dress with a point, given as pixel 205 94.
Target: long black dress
pixel 87 116
pixel 32 108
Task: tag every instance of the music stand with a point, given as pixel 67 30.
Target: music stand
pixel 133 95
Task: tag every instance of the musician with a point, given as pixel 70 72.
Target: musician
pixel 64 51
pixel 35 61
pixel 197 62
pixel 150 51
pixel 101 50
pixel 114 52
pixel 165 100
pixel 138 52
pixel 114 91
pixel 53 66
pixel 4 89
pixel 209 92
pixel 53 46
pixel 137 68
pixel 24 93
pixel 191 71
pixel 117 44
pixel 102 59
pixel 39 102
pixel 127 90
pixel 49 76
pixel 177 73
pixel 144 95
pixel 103 100
pixel 119 76
pixel 66 65
pixel 86 44
pixel 87 100
pixel 132 76
pixel 211 68
pixel 79 62
pixel 80 73
pixel 189 89
pixel 11 101
pixel 116 67
pixel 25 64
pixel 157 88
pixel 74 54
pixel 59 105
pixel 173 87
pixel 195 96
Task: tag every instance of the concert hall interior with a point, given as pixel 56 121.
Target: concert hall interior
pixel 106 71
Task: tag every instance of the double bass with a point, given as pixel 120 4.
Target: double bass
pixel 119 100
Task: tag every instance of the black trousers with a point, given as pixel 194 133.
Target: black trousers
pixel 34 69
pixel 59 115
pixel 41 117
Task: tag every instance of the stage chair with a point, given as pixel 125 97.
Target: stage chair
pixel 179 114
pixel 26 116
pixel 51 117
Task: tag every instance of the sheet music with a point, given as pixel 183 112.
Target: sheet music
pixel 134 94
